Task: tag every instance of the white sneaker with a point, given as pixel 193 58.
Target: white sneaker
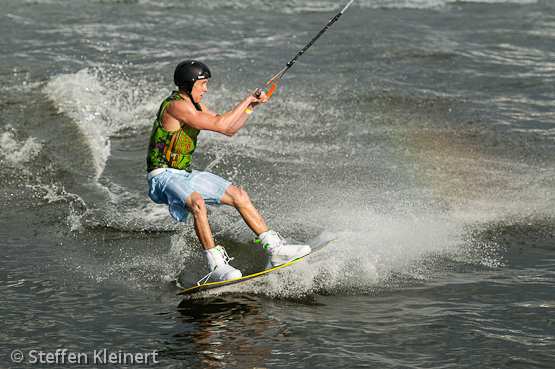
pixel 218 265
pixel 278 252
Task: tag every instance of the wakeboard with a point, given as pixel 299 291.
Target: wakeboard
pixel 215 285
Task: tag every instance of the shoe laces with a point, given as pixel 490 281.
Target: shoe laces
pixel 204 279
pixel 279 244
pixel 226 258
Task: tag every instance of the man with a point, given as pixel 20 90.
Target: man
pixel 172 181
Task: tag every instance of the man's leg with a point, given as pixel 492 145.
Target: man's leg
pixel 278 252
pixel 239 199
pixel 195 204
pixel 216 257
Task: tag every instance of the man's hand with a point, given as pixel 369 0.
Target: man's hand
pixel 259 96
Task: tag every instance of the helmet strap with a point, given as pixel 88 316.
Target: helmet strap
pixel 197 105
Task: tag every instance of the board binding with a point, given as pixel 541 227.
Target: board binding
pixel 213 285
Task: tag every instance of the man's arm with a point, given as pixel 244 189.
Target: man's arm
pixel 183 112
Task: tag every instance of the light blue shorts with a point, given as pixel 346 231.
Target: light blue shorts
pixel 174 187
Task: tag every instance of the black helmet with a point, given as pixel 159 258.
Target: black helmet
pixel 189 71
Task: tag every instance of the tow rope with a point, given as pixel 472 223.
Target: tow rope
pixel 290 64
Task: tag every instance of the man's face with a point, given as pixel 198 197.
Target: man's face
pixel 199 89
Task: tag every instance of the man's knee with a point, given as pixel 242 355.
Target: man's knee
pixel 239 197
pixel 195 204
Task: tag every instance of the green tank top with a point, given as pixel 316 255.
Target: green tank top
pixel 170 149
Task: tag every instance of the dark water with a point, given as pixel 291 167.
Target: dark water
pixel 420 133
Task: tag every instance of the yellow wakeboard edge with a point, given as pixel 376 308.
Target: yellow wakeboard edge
pixel 212 285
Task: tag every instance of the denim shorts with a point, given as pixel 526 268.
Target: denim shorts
pixel 174 187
